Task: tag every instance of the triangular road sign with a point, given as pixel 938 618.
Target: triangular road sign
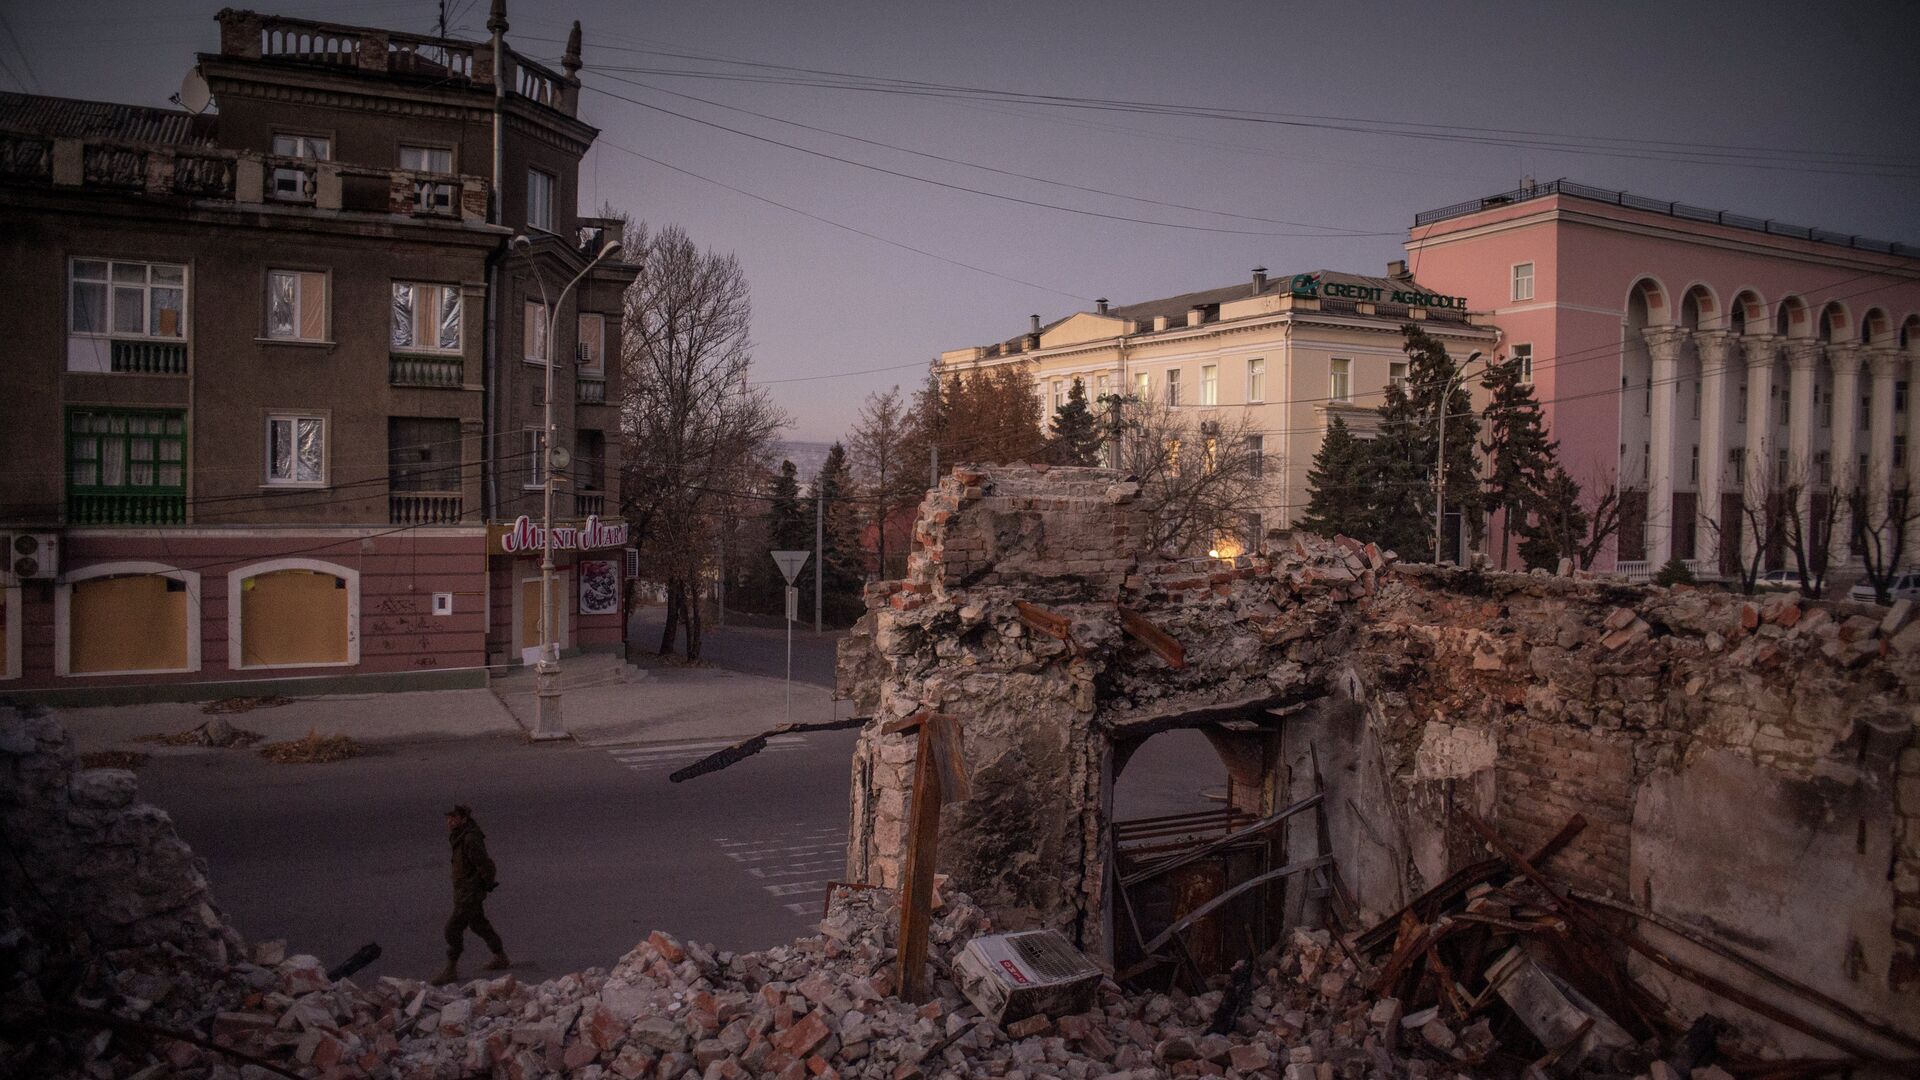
pixel 790 562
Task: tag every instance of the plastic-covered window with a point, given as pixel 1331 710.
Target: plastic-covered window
pixel 297 449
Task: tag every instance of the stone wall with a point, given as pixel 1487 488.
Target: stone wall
pixel 1746 767
pixel 87 865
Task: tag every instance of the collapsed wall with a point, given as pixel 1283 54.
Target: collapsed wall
pixel 1747 768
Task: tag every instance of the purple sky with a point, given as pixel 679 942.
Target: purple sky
pixel 1771 76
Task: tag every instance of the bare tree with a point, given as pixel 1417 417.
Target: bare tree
pixel 1568 520
pixel 1808 516
pixel 1761 524
pixel 878 447
pixel 1882 529
pixel 1201 475
pixel 696 434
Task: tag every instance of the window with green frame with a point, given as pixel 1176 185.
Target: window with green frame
pixel 126 466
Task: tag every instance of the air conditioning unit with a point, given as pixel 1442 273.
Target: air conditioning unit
pixel 33 556
pixel 584 351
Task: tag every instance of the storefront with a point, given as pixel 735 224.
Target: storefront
pixel 590 571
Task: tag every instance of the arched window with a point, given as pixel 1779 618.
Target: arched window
pixel 127 618
pixel 293 613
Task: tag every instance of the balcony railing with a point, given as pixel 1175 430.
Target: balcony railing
pixel 585 504
pixel 424 507
pixel 238 176
pixel 435 371
pixel 590 391
pixel 148 357
pixel 125 508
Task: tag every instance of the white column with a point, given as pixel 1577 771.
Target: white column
pixel 1912 463
pixel 1718 371
pixel 1884 370
pixel 1762 350
pixel 1846 473
pixel 1802 356
pixel 1663 345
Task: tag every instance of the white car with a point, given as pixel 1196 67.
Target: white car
pixel 1778 579
pixel 1906 586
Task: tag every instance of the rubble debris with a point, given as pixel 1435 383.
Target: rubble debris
pixel 1025 976
pixel 215 732
pixel 113 759
pixel 311 749
pixel 1557 1014
pixel 245 704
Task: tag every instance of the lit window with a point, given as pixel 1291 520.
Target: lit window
pixel 1142 386
pixel 1209 385
pixel 1523 355
pixel 297 450
pixel 1173 457
pixel 1397 373
pixel 297 305
pixel 128 299
pixel 1256 380
pixel 1523 281
pixel 1209 455
pixel 533 332
pixel 592 344
pixel 1173 386
pixel 434 159
pixel 1340 385
pixel 426 318
pixel 539 200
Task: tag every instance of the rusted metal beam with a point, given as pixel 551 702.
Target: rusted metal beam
pixel 1211 846
pixel 1051 623
pixel 1214 904
pixel 1158 641
pixel 916 893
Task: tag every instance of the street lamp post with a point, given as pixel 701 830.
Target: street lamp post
pixel 1440 457
pixel 546 722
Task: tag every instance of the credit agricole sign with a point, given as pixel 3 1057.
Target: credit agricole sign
pixel 1312 285
pixel 525 535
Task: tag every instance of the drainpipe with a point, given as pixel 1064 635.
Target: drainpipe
pixel 490 341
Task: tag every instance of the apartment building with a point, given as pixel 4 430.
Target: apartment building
pixel 1292 352
pixel 279 370
pixel 1695 358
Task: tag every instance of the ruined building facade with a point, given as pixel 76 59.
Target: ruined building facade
pixel 1750 770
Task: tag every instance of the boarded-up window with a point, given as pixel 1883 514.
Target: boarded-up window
pixel 135 622
pixel 293 617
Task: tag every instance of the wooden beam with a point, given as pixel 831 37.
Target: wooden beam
pixel 949 759
pixel 1159 641
pixel 916 892
pixel 1051 623
pixel 1214 904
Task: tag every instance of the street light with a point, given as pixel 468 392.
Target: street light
pixel 546 722
pixel 1440 456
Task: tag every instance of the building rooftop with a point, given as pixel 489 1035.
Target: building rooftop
pixel 1529 192
pixel 60 117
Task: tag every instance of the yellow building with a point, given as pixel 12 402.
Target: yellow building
pixel 1293 351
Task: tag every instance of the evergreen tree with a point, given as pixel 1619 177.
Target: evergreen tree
pixel 1405 450
pixel 842 580
pixel 789 527
pixel 1338 488
pixel 1557 526
pixel 1519 454
pixel 1075 439
pixel 1398 498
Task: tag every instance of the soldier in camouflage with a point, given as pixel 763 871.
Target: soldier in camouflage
pixel 473 879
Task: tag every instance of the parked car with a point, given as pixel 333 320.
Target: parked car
pixel 1779 580
pixel 1906 586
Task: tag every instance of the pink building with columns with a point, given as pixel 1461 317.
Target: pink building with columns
pixel 1693 356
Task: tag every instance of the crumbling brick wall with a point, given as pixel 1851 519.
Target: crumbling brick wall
pixel 1743 766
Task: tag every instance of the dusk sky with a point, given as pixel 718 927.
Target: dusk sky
pixel 1782 110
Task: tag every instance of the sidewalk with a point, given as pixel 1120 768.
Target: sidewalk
pixel 365 718
pixel 605 700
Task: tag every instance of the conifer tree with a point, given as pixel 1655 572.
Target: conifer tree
pixel 841 576
pixel 1338 492
pixel 1075 439
pixel 789 526
pixel 1520 455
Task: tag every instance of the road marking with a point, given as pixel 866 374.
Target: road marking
pixel 657 757
pixel 791 865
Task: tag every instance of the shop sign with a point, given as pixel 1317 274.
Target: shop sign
pixel 1310 285
pixel 524 535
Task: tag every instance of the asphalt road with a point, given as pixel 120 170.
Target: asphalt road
pixel 592 852
pixel 752 645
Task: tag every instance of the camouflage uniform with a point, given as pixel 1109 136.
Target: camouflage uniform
pixel 473 879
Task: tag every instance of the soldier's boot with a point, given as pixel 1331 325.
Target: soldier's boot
pixel 448 974
pixel 499 962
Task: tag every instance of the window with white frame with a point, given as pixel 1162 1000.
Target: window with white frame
pixel 1257 455
pixel 1173 386
pixel 591 343
pixel 297 305
pixel 540 199
pixel 426 318
pixel 1142 386
pixel 1257 379
pixel 1209 384
pixel 296 450
pixel 1340 381
pixel 1523 281
pixel 1059 394
pixel 435 159
pixel 1522 356
pixel 1103 386
pixel 1397 373
pixel 125 299
pixel 536 470
pixel 533 332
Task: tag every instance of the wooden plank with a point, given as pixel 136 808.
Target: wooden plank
pixel 1157 640
pixel 916 894
pixel 949 758
pixel 1212 905
pixel 904 724
pixel 1229 839
pixel 1051 623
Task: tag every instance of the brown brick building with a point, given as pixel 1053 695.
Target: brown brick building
pixel 277 368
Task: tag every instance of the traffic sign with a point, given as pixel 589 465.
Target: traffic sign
pixel 790 562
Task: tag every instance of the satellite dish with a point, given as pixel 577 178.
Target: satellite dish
pixel 194 96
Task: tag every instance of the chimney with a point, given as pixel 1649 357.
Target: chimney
pixel 1259 280
pixel 1196 315
pixel 1159 322
pixel 1397 270
pixel 1100 306
pixel 570 61
pixel 1033 324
